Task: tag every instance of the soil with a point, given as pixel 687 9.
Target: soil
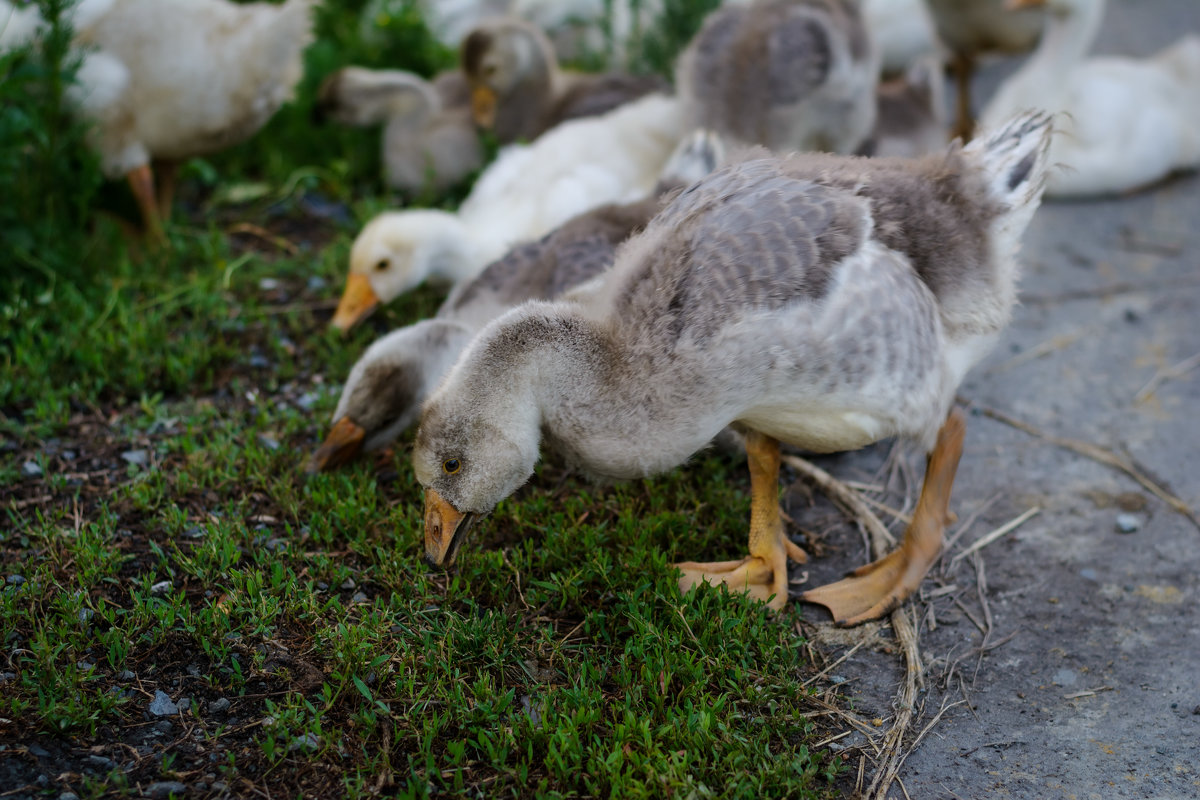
pixel 1088 687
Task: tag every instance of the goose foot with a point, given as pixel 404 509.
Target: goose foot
pixel 762 574
pixel 877 588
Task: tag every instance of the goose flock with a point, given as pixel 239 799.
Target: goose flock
pixel 788 239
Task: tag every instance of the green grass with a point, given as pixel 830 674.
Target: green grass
pixel 558 660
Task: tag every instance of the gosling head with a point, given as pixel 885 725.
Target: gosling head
pixel 383 395
pixel 394 253
pixel 477 444
pixel 499 56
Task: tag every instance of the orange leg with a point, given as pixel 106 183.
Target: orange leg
pixel 964 125
pixel 763 574
pixel 874 590
pixel 167 172
pixel 141 182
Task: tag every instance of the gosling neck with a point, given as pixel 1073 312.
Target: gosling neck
pixel 593 410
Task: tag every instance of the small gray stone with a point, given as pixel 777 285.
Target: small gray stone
pixel 219 706
pixel 268 442
pixel 160 588
pixel 308 742
pixel 42 780
pixel 259 361
pixel 68 455
pixel 162 706
pixel 1065 677
pixel 38 751
pixel 126 675
pixel 194 532
pixel 163 726
pixel 31 469
pixel 164 789
pixel 68 796
pixel 268 284
pixel 139 458
pixel 5 677
pixel 85 615
pixel 348 584
pixel 85 666
pixel 185 703
pixel 1128 523
pixel 359 597
pixel 16 580
pixel 100 762
pixel 316 283
pixel 307 400
pixel 1088 574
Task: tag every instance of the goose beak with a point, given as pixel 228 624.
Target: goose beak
pixel 445 529
pixel 343 443
pixel 358 301
pixel 483 106
pixel 1020 5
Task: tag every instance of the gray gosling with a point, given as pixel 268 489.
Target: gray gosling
pixel 822 301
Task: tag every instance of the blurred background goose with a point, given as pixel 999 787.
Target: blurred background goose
pixel 429 139
pixel 973 28
pixel 518 90
pixel 386 387
pixel 901 29
pixel 172 79
pixel 524 194
pixel 787 74
pixel 1125 122
pixel 911 116
pixel 823 301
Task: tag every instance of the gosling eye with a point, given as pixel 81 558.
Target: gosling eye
pixel 489 71
pixel 451 466
pixel 381 265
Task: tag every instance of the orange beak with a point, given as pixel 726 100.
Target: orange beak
pixel 341 445
pixel 358 301
pixel 445 528
pixel 483 106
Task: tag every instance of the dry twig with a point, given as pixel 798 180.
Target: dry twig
pixel 1164 374
pixel 986 539
pixel 1098 454
pixel 893 752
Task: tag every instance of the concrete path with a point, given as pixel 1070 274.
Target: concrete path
pixel 1097 693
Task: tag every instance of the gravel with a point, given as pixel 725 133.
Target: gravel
pixel 162 706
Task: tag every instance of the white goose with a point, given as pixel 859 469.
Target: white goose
pixel 528 191
pixel 1125 122
pixel 823 301
pixel 172 79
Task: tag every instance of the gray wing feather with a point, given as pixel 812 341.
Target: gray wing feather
pixel 747 238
